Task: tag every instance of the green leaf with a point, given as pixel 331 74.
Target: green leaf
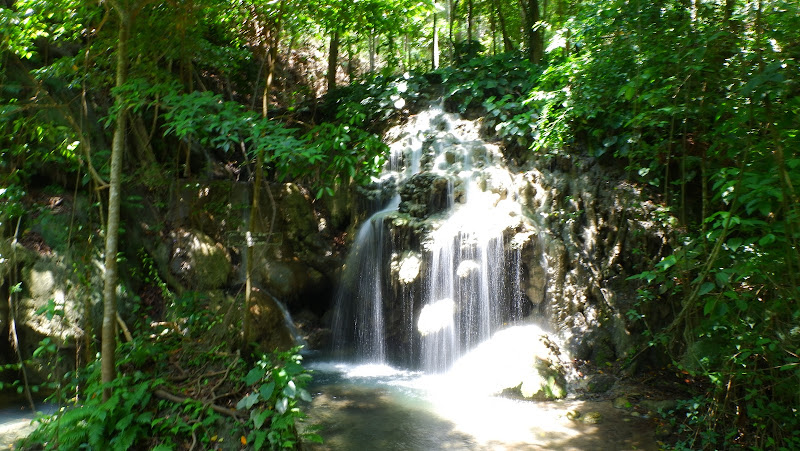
pixel 260 417
pixel 266 390
pixel 248 401
pixel 766 239
pixel 734 243
pixel 705 288
pixel 255 375
pixel 290 390
pixel 282 405
pixel 316 438
pixel 667 262
pixel 709 306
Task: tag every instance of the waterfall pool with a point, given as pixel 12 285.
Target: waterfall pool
pixel 377 407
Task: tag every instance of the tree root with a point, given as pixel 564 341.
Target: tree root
pixel 163 394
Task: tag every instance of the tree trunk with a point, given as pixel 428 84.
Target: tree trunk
pixel 109 332
pixel 534 36
pixel 435 50
pixel 372 39
pixel 501 19
pixel 333 58
pixel 469 22
pixel 451 17
pixel 252 226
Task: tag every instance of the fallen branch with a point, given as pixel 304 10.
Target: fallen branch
pixel 163 394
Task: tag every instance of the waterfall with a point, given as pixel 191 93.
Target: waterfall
pixel 447 236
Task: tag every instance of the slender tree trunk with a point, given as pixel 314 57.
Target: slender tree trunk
pixel 493 29
pixel 469 22
pixel 109 332
pixel 534 36
pixel 372 46
pixel 271 55
pixel 451 17
pixel 333 59
pixel 507 44
pixel 435 50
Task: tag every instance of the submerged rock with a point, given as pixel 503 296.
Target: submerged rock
pixel 622 402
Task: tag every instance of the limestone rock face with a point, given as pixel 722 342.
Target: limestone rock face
pixel 596 231
pixel 57 301
pixel 201 261
pixel 424 194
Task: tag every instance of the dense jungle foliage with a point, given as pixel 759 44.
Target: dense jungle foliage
pixel 698 99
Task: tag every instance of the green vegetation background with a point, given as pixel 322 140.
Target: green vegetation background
pixel 698 99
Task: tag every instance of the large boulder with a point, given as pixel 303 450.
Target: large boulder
pixel 521 361
pixel 201 262
pixel 271 329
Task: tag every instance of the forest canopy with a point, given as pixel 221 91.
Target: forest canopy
pixel 698 100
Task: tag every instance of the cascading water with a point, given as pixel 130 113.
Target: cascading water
pixel 440 280
pixel 444 171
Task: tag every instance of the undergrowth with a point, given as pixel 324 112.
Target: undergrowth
pixel 176 389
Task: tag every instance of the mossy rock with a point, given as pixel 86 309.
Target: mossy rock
pixel 546 383
pixel 202 262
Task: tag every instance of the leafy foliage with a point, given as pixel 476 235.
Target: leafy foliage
pixel 277 386
pixel 137 414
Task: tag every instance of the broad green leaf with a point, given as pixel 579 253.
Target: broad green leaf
pixel 290 390
pixel 248 401
pixel 766 239
pixel 734 243
pixel 260 417
pixel 709 306
pixel 253 376
pixel 667 262
pixel 266 390
pixel 282 405
pixel 705 288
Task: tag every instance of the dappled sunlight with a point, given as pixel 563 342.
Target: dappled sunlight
pixel 377 406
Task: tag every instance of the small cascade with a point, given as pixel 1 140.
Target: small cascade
pixel 358 317
pixel 436 270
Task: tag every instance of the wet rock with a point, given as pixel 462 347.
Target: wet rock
pixel 546 383
pixel 296 210
pixel 664 430
pixel 622 403
pixel 658 406
pixel 600 383
pixel 406 266
pixel 269 328
pixel 592 418
pixel 425 194
pixel 290 280
pixel 520 361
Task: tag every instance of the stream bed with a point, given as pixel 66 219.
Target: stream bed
pixel 377 407
pixel 16 419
